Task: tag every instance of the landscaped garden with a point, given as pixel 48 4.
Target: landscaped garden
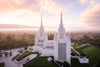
pixel 92 52
pixel 75 45
pixel 15 57
pixel 21 51
pixel 39 61
pixel 76 63
pixel 25 54
pixel 19 57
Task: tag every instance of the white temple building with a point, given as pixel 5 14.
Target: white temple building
pixel 59 47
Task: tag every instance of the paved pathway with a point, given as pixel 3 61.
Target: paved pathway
pixel 83 45
pixel 75 51
pixel 27 59
pixel 8 60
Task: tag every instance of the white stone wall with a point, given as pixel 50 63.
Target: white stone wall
pixel 47 52
pixel 68 49
pixel 83 60
pixel 55 50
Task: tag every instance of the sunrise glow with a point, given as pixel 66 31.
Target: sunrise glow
pixel 79 13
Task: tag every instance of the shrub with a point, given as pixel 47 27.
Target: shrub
pixel 0 55
pixel 10 53
pixel 2 64
pixel 15 57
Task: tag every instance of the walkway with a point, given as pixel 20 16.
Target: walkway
pixel 27 59
pixel 75 51
pixel 8 60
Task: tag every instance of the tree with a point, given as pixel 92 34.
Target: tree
pixel 8 37
pixel 10 53
pixel 6 54
pixel 25 48
pixel 66 64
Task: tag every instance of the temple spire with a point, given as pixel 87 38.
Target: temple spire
pixel 61 21
pixel 41 21
pixel 61 18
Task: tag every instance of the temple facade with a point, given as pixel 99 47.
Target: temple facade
pixel 59 47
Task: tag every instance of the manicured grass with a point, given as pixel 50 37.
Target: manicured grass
pixel 75 45
pixel 92 52
pixel 75 63
pixel 82 48
pixel 39 61
pixel 74 52
pixel 30 49
pixel 15 57
pixel 21 51
pixel 25 54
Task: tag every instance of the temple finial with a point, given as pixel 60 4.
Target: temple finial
pixel 61 21
pixel 61 18
pixel 41 20
pixel 41 26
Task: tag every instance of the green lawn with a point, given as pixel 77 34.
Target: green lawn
pixel 75 45
pixel 82 48
pixel 39 61
pixel 15 57
pixel 92 52
pixel 25 54
pixel 20 51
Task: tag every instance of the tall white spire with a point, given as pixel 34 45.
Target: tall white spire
pixel 61 21
pixel 41 26
pixel 41 21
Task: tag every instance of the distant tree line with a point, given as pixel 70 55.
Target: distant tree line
pixel 11 41
pixel 95 41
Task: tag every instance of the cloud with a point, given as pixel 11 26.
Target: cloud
pixel 48 6
pixel 91 17
pixel 93 3
pixel 27 12
pixel 90 2
pixel 82 1
pixel 9 5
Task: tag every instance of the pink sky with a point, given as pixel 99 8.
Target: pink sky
pixel 78 13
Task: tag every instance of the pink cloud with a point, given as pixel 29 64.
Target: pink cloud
pixel 30 5
pixel 82 1
pixel 27 12
pixel 9 5
pixel 91 17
